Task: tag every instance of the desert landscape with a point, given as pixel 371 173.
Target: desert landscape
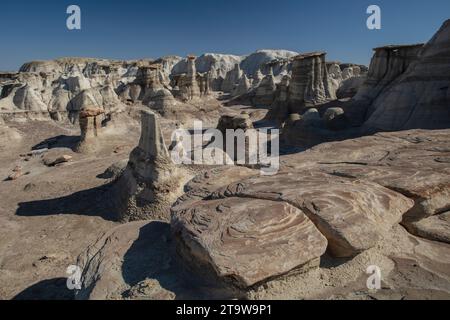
pixel 87 178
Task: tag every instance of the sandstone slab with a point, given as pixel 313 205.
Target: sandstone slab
pixel 352 214
pixel 246 242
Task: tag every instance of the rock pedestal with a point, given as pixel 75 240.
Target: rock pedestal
pixel 151 182
pixel 90 120
pixel 309 84
pixel 187 83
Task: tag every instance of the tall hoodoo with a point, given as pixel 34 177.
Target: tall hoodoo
pixel 187 83
pixel 151 182
pixel 309 84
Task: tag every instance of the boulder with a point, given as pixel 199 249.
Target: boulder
pixel 335 119
pixel 246 242
pixel 435 228
pixel 352 214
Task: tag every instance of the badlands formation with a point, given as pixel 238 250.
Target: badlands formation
pixel 364 177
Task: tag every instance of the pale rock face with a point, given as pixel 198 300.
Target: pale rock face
pixel 232 79
pixel 160 100
pixel 335 74
pixel 243 86
pixel 349 88
pixel 418 98
pixel 257 78
pixel 54 86
pixel 262 59
pixel 189 83
pixel 387 64
pixel 435 228
pixel 41 66
pixel 27 98
pixel 151 182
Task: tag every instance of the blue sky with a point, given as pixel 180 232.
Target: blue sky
pixel 34 30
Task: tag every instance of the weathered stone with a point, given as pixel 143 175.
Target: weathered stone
pixel 265 92
pixel 418 98
pixel 246 242
pixel 335 119
pixel 243 86
pixel 232 79
pixel 51 162
pixel 436 228
pixel 151 182
pixel 279 110
pixel 234 122
pixel 90 120
pixel 352 214
pixel 309 84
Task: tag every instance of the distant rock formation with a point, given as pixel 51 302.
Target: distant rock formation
pixel 265 92
pixel 417 95
pixel 232 79
pixel 57 88
pixel 151 182
pixel 279 110
pixel 279 61
pixel 243 86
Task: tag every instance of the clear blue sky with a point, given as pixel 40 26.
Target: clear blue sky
pixel 130 29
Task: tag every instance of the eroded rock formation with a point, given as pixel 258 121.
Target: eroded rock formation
pixel 90 120
pixel 309 84
pixel 419 97
pixel 275 238
pixel 232 79
pixel 151 182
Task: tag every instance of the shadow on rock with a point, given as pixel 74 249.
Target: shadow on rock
pixel 153 270
pixel 51 289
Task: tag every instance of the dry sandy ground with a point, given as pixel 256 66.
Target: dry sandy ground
pixel 50 215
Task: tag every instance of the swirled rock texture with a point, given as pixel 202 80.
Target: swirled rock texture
pixel 247 241
pixel 352 214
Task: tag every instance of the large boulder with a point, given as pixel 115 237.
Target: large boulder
pixel 245 242
pixel 353 215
